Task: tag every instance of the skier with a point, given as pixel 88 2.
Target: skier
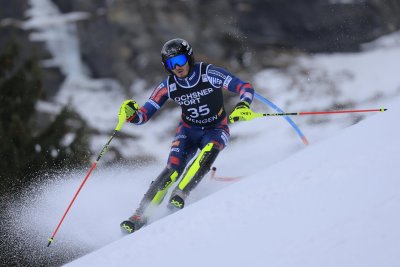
pixel 197 88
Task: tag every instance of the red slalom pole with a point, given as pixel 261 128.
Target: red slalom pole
pixel 321 112
pixel 343 111
pixel 51 239
pixel 121 120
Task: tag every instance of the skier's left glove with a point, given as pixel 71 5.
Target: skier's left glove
pixel 242 112
pixel 128 110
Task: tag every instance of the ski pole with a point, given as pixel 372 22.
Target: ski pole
pixel 250 115
pixel 319 112
pixel 121 117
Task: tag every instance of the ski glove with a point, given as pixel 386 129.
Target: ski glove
pixel 242 112
pixel 128 110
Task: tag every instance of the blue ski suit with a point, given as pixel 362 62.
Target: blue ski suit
pixel 204 118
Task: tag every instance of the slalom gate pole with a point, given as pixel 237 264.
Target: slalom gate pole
pixel 117 129
pixel 214 177
pixel 320 112
pixel 287 118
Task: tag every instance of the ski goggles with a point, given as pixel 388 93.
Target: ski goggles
pixel 179 60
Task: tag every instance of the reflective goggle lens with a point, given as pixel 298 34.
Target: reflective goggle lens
pixel 179 60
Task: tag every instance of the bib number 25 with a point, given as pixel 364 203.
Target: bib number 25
pixel 200 111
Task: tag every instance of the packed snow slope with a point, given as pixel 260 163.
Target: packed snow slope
pixel 335 203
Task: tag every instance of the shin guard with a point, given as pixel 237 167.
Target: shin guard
pixel 156 193
pixel 199 168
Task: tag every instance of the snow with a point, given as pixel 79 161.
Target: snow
pixel 332 203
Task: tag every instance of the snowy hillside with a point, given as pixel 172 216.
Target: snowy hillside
pixel 335 203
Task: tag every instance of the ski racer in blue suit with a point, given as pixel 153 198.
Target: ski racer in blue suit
pixel 197 88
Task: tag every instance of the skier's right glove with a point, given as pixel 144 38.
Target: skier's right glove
pixel 128 110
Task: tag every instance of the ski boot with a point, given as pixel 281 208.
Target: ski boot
pixel 133 224
pixel 177 200
pixel 153 197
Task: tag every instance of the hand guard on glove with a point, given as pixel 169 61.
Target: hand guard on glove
pixel 128 110
pixel 242 112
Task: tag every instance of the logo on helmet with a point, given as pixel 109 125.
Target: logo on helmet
pixel 186 45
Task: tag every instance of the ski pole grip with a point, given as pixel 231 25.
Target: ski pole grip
pixel 121 119
pixel 119 126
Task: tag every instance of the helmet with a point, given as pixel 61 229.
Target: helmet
pixel 176 47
